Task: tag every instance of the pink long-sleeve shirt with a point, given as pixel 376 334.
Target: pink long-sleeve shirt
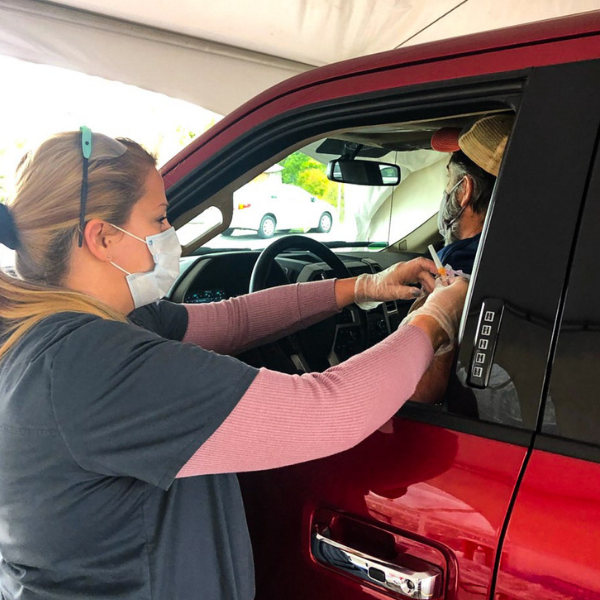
pixel 285 419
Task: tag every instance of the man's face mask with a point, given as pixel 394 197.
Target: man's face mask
pixel 448 215
pixel 151 286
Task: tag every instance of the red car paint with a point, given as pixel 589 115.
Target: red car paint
pixel 552 544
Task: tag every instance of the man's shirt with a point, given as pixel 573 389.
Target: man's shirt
pixel 460 255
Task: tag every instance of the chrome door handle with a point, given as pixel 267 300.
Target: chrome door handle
pixel 417 585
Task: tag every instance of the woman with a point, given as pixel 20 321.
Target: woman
pixel 118 441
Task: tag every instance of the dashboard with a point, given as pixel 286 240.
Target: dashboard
pixel 220 276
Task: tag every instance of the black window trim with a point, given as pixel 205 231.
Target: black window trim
pixel 438 416
pixel 565 447
pixel 431 100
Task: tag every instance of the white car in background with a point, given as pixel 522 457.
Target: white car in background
pixel 268 208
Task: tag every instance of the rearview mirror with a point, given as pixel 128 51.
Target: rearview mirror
pixel 363 172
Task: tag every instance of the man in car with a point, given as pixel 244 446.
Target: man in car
pixel 477 152
pixel 473 167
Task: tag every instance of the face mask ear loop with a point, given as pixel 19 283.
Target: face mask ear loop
pixel 120 268
pixel 456 185
pixel 131 234
pixel 461 209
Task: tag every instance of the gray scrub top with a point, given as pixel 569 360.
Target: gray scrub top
pixel 96 419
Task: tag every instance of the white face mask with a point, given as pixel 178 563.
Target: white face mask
pixel 153 285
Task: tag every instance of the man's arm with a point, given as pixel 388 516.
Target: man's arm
pixel 432 386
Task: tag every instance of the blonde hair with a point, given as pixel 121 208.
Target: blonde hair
pixel 45 210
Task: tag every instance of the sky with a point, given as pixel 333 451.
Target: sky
pixel 37 101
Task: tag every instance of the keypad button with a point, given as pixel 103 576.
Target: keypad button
pixel 484 344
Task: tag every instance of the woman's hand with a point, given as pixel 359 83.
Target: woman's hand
pixel 439 317
pixel 394 283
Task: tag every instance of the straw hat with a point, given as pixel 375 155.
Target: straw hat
pixel 483 142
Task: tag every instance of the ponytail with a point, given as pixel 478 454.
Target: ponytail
pixel 23 305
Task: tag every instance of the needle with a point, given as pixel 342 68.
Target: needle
pixel 436 260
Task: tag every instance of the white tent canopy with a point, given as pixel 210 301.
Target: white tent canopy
pixel 220 54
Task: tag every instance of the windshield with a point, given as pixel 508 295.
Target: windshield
pixel 294 196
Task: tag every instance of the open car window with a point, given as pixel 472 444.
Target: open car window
pixel 295 196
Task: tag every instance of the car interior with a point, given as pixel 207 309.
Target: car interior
pixel 375 224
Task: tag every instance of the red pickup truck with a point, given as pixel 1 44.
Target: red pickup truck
pixel 494 490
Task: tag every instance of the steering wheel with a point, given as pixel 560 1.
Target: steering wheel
pixel 323 344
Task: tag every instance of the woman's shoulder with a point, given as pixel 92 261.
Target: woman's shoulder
pixel 61 325
pixel 42 342
pixel 71 329
pixel 164 319
pixel 76 342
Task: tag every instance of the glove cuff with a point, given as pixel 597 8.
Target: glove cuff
pixel 361 298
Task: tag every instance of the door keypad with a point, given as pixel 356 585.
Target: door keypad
pixel 484 346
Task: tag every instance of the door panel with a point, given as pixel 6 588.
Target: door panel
pixel 552 544
pixel 443 490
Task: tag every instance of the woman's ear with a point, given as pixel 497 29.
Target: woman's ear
pixel 465 194
pixel 99 239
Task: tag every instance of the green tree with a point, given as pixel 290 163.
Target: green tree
pixel 313 181
pixel 309 174
pixel 296 164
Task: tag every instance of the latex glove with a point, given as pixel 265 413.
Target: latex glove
pixel 451 275
pixel 444 305
pixel 392 284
